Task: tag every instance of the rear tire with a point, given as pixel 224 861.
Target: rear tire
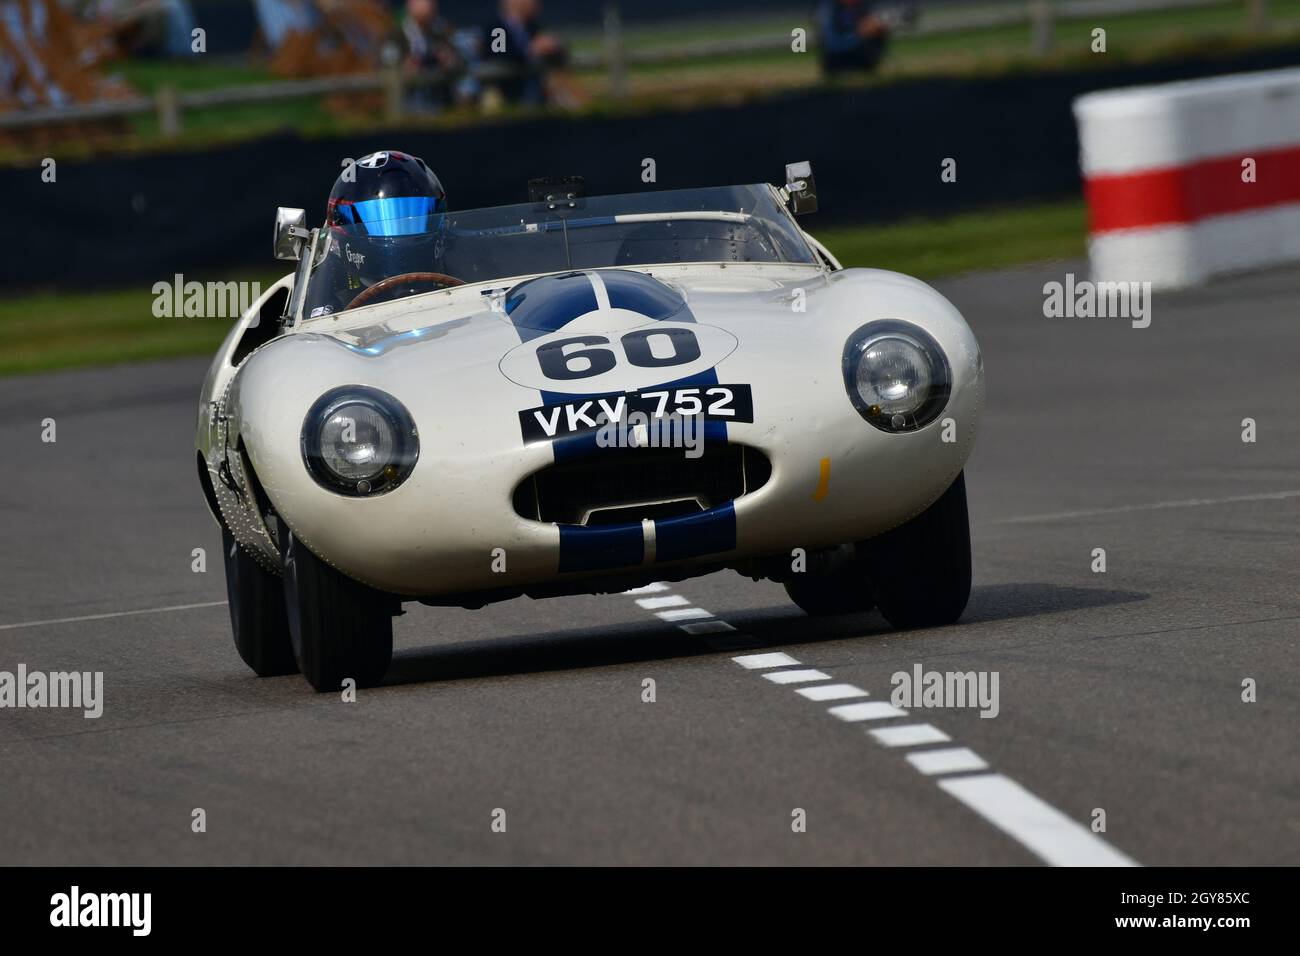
pixel 257 615
pixel 339 627
pixel 921 571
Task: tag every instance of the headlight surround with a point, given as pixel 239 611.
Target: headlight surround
pixel 359 441
pixel 896 375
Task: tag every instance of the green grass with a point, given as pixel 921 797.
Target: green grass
pixel 1132 37
pixel 186 75
pixel 927 248
pixel 52 330
pixel 309 114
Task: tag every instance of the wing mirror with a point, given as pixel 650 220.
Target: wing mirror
pixel 290 232
pixel 800 188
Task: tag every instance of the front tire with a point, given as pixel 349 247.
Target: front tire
pixel 845 590
pixel 339 627
pixel 921 570
pixel 257 615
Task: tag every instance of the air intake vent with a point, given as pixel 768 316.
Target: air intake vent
pixel 622 485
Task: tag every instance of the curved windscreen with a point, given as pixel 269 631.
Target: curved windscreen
pixel 724 224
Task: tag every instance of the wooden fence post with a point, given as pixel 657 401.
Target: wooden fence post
pixel 1041 16
pixel 615 50
pixel 169 111
pixel 393 93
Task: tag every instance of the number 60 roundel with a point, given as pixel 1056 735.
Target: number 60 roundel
pixel 593 363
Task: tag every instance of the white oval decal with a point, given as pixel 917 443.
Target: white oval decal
pixel 578 362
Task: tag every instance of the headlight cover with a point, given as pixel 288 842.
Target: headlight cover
pixel 359 441
pixel 896 375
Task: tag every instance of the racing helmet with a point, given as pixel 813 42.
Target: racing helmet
pixel 385 216
pixel 386 194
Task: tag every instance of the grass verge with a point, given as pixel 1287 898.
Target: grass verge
pixel 996 239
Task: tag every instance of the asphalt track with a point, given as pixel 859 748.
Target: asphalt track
pixel 1119 690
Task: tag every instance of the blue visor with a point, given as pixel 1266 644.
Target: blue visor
pixel 399 216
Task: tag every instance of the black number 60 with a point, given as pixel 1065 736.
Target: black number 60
pixel 592 360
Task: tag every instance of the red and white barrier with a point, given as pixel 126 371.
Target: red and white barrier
pixel 1186 181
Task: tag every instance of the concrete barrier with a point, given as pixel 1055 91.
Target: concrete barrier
pixel 1186 181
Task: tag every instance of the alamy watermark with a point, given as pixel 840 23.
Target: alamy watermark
pixel 919 688
pixel 179 299
pixel 76 909
pixel 77 690
pixel 1102 300
pixel 642 430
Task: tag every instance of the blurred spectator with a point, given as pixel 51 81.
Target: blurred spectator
pixel 27 82
pixel 279 18
pixel 324 37
pixel 852 35
pixel 517 40
pixel 49 58
pixel 431 45
pixel 145 27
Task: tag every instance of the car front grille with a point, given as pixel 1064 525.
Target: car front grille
pixel 624 485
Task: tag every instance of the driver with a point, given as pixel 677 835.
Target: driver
pixel 384 214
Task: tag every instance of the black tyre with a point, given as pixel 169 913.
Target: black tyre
pixel 257 615
pixel 339 627
pixel 921 570
pixel 846 590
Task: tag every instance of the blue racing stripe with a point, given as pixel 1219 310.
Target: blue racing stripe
pixel 544 305
pixel 600 547
pixel 650 297
pixel 638 292
pixel 691 536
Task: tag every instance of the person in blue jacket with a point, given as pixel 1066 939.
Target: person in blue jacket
pixel 853 35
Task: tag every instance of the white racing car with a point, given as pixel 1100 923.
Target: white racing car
pixel 579 395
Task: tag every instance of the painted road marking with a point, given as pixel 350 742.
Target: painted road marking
pixel 1038 825
pixel 104 617
pixel 795 677
pixel 948 760
pixel 909 735
pixel 868 710
pixel 1035 824
pixel 1153 506
pixel 672 600
pixel 706 627
pixel 682 614
pixel 755 662
pixel 831 692
pixel 649 588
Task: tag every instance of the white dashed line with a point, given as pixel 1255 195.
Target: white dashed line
pixel 1041 827
pixel 1038 826
pixel 682 614
pixel 706 627
pixel 795 677
pixel 831 692
pixel 754 662
pixel 867 710
pixel 909 735
pixel 948 760
pixel 104 617
pixel 1153 506
pixel 649 588
pixel 672 600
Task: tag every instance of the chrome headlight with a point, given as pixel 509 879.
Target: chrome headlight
pixel 359 441
pixel 896 375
